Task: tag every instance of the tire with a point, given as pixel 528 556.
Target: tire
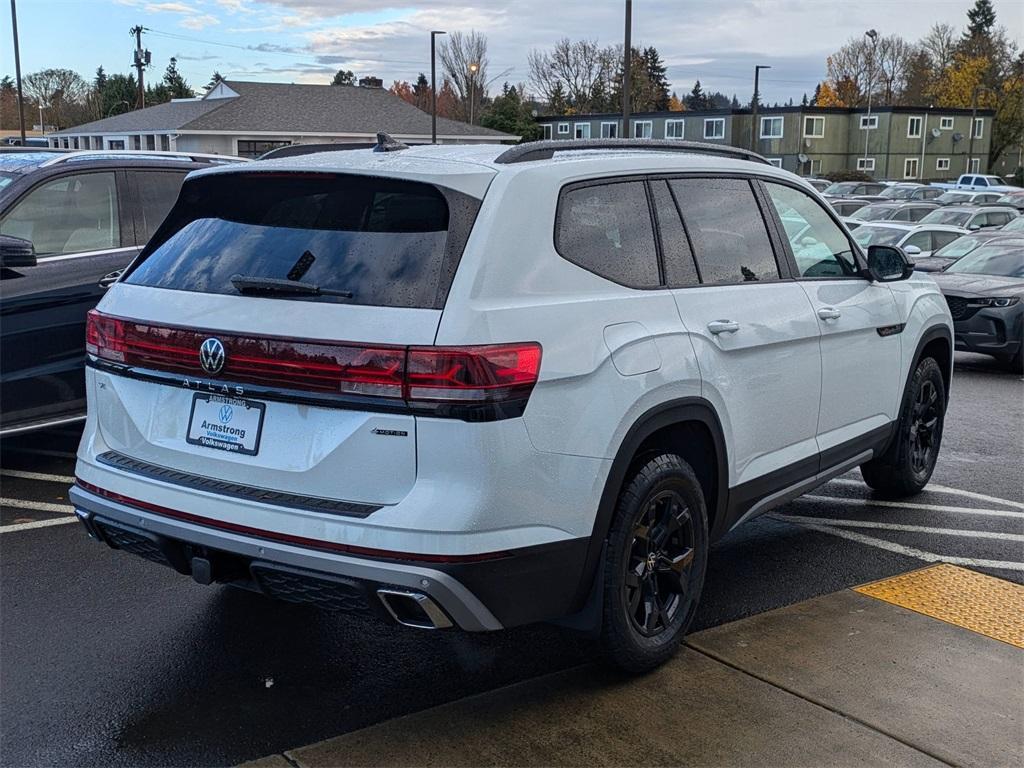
pixel 907 465
pixel 655 564
pixel 1014 364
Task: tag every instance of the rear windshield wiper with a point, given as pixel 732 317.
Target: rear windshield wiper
pixel 274 285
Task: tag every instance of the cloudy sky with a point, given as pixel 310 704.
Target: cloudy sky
pixel 308 40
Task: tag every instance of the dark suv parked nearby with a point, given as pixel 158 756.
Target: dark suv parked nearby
pixel 68 223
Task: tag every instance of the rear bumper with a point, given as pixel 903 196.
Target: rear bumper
pixel 519 587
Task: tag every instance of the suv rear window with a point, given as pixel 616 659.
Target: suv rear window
pixel 386 242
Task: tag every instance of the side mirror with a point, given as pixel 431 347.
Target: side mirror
pixel 16 252
pixel 912 250
pixel 887 264
pixel 974 227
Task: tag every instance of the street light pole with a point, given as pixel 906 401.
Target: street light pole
pixel 17 73
pixel 433 87
pixel 472 89
pixel 754 105
pixel 871 86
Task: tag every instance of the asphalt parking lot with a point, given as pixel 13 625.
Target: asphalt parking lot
pixel 107 659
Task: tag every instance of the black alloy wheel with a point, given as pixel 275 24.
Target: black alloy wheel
pixel 924 426
pixel 657 578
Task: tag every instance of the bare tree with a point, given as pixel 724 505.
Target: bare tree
pixel 940 44
pixel 464 62
pixel 581 70
pixel 59 91
pixel 893 59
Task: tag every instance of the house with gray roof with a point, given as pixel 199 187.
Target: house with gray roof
pixel 248 119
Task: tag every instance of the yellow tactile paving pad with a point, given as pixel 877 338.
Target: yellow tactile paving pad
pixel 983 604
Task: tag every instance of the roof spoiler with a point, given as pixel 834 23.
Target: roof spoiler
pixel 545 150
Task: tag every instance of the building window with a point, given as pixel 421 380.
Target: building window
pixel 563 129
pixel 776 161
pixel 714 128
pixel 546 130
pixel 150 141
pixel 975 165
pixel 979 127
pixel 582 130
pixel 253 149
pixel 112 144
pixel 911 168
pixel 868 123
pixel 865 163
pixel 914 127
pixel 136 142
pixel 942 164
pixel 74 142
pixel 610 130
pixel 946 123
pixel 675 129
pixel 815 167
pixel 643 129
pixel 165 142
pixel 771 127
pixel 814 127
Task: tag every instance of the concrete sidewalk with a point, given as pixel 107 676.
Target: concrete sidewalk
pixel 844 679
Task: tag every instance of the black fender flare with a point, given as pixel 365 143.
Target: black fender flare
pixel 671 412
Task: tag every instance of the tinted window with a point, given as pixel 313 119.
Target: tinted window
pixel 939 238
pixel 71 214
pixel 922 240
pixel 606 228
pixel 386 242
pixel 995 259
pixel 726 228
pixel 680 268
pixel 868 235
pixel 157 192
pixel 940 216
pixel 818 244
pixel 996 219
pixel 916 214
pixel 903 214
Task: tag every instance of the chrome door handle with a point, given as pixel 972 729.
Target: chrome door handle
pixel 829 313
pixel 723 326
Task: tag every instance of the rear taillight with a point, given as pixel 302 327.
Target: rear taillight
pixel 488 381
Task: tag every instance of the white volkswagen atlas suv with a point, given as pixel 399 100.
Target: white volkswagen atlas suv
pixel 477 387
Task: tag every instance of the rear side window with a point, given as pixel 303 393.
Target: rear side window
pixel 157 191
pixel 726 228
pixel 606 229
pixel 386 242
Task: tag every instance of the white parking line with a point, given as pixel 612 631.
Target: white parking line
pixel 920 554
pixel 21 474
pixel 37 524
pixel 908 528
pixel 941 489
pixel 39 506
pixel 911 505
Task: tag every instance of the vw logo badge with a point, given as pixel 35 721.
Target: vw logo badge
pixel 211 356
pixel 226 412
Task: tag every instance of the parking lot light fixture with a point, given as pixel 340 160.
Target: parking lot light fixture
pixel 754 131
pixel 873 36
pixel 473 69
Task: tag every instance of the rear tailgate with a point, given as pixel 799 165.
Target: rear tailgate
pixel 282 410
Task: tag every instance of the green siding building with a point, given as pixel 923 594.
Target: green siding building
pixel 893 143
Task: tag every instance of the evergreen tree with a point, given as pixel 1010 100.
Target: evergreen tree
pixel 421 93
pixel 817 93
pixel 980 19
pixel 558 103
pixel 734 103
pixel 216 78
pixel 803 101
pixel 176 84
pixel 656 76
pixel 100 81
pixel 696 100
pixel 344 77
pixel 508 113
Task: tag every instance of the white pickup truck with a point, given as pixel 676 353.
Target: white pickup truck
pixel 978 182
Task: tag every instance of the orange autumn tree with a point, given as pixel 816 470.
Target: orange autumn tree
pixel 828 96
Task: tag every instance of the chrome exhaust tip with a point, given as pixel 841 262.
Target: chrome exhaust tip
pixel 414 609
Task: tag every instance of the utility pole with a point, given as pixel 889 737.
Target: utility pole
pixel 17 74
pixel 974 119
pixel 142 59
pixel 627 77
pixel 472 89
pixel 754 130
pixel 433 87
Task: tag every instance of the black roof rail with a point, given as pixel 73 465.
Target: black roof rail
pixel 545 150
pixel 294 150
